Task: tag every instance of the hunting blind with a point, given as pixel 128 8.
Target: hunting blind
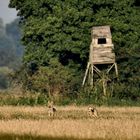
pixel 101 52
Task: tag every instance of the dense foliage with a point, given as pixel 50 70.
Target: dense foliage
pixel 60 31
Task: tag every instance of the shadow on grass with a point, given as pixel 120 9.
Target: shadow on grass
pixel 31 137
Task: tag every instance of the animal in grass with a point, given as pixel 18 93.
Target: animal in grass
pixel 92 111
pixel 51 109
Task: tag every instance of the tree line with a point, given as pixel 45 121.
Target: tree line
pixel 57 35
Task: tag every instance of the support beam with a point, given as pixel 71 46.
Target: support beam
pixel 92 70
pixel 116 69
pixel 96 70
pixel 91 80
pixel 88 65
pixel 110 68
pixel 104 87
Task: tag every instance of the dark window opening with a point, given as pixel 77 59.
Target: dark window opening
pixel 136 3
pixel 102 41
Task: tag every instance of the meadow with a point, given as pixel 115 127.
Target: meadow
pixel 69 123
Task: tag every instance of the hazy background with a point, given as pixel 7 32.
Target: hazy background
pixel 7 14
pixel 11 50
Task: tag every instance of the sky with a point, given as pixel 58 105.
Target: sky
pixel 7 14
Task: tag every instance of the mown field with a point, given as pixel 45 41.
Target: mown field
pixel 69 123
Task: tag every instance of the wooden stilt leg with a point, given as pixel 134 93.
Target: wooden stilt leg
pixel 104 87
pixel 91 78
pixel 88 65
pixel 116 69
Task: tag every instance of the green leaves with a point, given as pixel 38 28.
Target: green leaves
pixel 61 30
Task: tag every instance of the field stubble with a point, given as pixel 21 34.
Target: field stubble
pixel 71 122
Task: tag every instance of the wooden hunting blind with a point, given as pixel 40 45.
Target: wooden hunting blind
pixel 101 48
pixel 101 52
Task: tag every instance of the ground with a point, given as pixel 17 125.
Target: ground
pixel 69 123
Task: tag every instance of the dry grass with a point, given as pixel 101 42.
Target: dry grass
pixel 71 121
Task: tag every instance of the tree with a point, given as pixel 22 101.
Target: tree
pixel 61 30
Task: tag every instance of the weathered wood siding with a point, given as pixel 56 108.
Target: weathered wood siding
pixel 103 55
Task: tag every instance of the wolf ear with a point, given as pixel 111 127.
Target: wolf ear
pixel 50 103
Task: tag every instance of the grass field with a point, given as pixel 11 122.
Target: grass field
pixel 69 123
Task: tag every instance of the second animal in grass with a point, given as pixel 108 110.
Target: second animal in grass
pixel 51 109
pixel 92 111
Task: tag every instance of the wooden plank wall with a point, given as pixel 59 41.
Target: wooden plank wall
pixel 102 55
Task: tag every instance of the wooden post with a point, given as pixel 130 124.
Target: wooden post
pixel 116 69
pixel 104 86
pixel 88 65
pixel 91 78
